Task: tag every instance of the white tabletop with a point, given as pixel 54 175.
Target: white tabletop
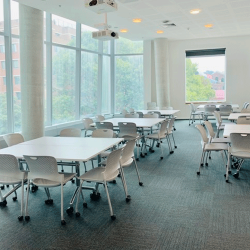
pixel 140 122
pixel 235 116
pixel 234 106
pixel 235 128
pixel 63 148
pixel 162 111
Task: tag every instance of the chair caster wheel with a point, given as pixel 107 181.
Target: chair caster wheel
pixel 70 210
pixel 174 129
pixel 62 170
pixel 95 196
pixel 3 203
pixel 175 146
pixel 202 164
pixel 142 155
pixel 236 175
pixel 85 205
pixel 146 153
pixel 14 198
pixel 137 159
pixel 7 186
pixel 210 158
pixel 2 187
pixel 78 214
pixel 128 198
pixel 113 217
pixel 20 218
pixel 198 173
pixel 171 152
pixel 63 222
pixel 140 183
pixel 49 202
pixel 206 164
pixel 27 218
pixel 230 172
pixel 161 157
pixel 73 181
pixel 227 181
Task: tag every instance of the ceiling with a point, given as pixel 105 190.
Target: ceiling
pixel 229 17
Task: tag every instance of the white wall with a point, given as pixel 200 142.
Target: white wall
pixel 237 69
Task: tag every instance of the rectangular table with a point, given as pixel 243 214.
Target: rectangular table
pixel 73 149
pixel 234 106
pixel 235 116
pixel 163 112
pixel 236 128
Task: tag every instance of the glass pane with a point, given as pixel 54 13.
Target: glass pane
pixel 1 17
pixel 126 46
pixel 63 85
pixel 45 87
pixel 16 84
pixel 106 47
pixel 3 100
pixel 63 31
pixel 14 17
pixel 205 78
pixel 129 87
pixel 44 26
pixel 86 38
pixel 106 87
pixel 89 84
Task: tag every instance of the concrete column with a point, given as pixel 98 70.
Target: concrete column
pixel 31 66
pixel 161 72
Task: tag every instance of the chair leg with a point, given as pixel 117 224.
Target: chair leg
pixel 174 140
pixel 84 163
pixel 159 141
pixel 27 198
pixel 137 171
pixel 109 201
pixel 227 170
pixel 22 198
pixel 78 196
pixel 124 184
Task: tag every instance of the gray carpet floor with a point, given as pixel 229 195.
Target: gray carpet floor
pixel 175 209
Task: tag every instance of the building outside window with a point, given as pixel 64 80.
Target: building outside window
pixel 17 80
pixel 2 49
pixel 14 48
pixel 3 64
pixel 15 64
pixel 205 75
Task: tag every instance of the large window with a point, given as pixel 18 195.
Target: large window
pixel 63 85
pixel 106 86
pixel 206 75
pixel 87 41
pixel 89 84
pixel 129 85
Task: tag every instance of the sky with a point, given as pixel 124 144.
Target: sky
pixel 214 63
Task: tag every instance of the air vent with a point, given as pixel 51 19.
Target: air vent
pixel 168 23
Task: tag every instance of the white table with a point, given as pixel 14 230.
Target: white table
pixel 235 116
pixel 234 106
pixel 163 112
pixel 140 122
pixel 64 149
pixel 236 128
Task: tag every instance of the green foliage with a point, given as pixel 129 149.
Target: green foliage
pixel 198 88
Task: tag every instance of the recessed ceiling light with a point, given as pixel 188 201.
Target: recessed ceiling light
pixel 195 11
pixel 137 20
pixel 159 31
pixel 209 25
pixel 123 30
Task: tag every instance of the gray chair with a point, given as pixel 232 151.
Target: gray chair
pixel 208 111
pixel 86 126
pixel 194 113
pixel 134 115
pixel 243 120
pixel 99 118
pixel 225 110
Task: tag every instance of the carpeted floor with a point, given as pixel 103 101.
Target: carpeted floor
pixel 175 209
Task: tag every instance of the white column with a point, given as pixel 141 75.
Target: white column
pixel 31 66
pixel 161 72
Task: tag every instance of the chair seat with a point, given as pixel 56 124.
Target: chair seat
pixel 221 140
pixel 129 137
pixel 216 146
pixel 127 163
pixel 156 136
pixel 240 154
pixel 198 113
pixel 96 175
pixel 48 183
pixel 9 180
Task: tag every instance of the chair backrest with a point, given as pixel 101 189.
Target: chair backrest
pixel 225 109
pixel 134 115
pixel 128 151
pixel 44 167
pixel 113 164
pixel 171 125
pixel 203 133
pixel 210 129
pixel 245 105
pixel 245 111
pixel 155 112
pixel 104 125
pixel 240 142
pixel 192 107
pixel 103 133
pixel 209 108
pixel 9 166
pixel 151 115
pixel 163 128
pixel 140 114
pixel 243 120
pixel 127 128
pixel 99 118
pixel 87 122
pixel 124 112
pixel 131 110
pixel 218 118
pixel 167 108
pixel 70 132
pixel 13 139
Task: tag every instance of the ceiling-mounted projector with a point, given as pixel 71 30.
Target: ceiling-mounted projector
pixel 105 35
pixel 101 6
